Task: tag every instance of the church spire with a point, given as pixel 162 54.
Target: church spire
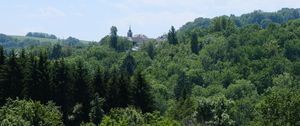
pixel 129 33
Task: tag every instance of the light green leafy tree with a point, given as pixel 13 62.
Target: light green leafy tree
pixel 29 113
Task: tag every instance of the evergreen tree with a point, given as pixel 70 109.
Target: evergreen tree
pixel 61 89
pixel 43 78
pixel 150 49
pixel 129 64
pixel 194 44
pixel 100 86
pixel 23 59
pixel 2 56
pixel 182 88
pixel 96 114
pixel 81 88
pixel 172 36
pixel 31 79
pixel 142 94
pixel 37 79
pixel 124 96
pixel 56 51
pixel 14 76
pixel 184 110
pixel 3 78
pixel 113 89
pixel 113 37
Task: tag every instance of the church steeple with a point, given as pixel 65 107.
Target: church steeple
pixel 129 33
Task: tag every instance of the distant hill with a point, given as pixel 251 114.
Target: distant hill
pixel 257 17
pixel 41 35
pixel 13 41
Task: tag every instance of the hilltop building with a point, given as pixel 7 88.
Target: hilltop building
pixel 129 33
pixel 137 39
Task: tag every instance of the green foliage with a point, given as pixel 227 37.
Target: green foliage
pixel 60 83
pixel 194 44
pixel 132 117
pixel 29 113
pixel 149 47
pixel 143 97
pixel 56 51
pixel 183 110
pixel 41 35
pixel 11 77
pixel 223 24
pixel 75 117
pixel 241 89
pixel 245 96
pixel 96 113
pixel 197 23
pixel 214 111
pixel 183 87
pixel 81 88
pixel 279 107
pixel 292 49
pixel 259 17
pixel 117 43
pixel 129 64
pixel 71 41
pixel 172 36
pixel 113 37
pixel 230 71
pixel 99 82
pixel 2 56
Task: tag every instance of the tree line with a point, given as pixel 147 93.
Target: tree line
pixel 26 76
pixel 223 74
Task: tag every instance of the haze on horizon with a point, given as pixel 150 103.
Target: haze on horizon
pixel 92 19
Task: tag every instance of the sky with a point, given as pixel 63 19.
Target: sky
pixel 92 19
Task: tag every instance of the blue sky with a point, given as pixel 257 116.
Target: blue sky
pixel 92 19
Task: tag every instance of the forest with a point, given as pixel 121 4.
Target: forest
pixel 223 71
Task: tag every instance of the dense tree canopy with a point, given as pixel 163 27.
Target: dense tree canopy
pixel 29 113
pixel 228 71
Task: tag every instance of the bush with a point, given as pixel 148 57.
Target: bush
pixel 29 113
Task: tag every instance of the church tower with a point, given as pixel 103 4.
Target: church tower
pixel 129 33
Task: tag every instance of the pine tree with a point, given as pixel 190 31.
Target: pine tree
pixel 113 37
pixel 151 50
pixel 23 59
pixel 2 56
pixel 182 88
pixel 99 84
pixel 96 113
pixel 129 65
pixel 43 78
pixel 172 36
pixel 119 93
pixel 194 44
pixel 31 79
pixel 113 89
pixel 56 51
pixel 3 77
pixel 81 88
pixel 60 86
pixel 142 94
pixel 14 76
pixel 124 96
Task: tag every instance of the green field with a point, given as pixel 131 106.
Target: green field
pixel 21 38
